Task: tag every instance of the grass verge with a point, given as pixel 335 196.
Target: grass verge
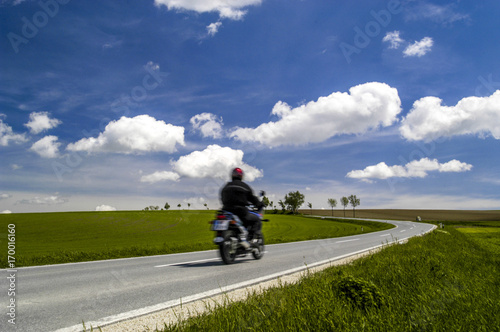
pixel 448 280
pixel 52 238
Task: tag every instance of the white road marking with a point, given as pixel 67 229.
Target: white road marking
pixel 347 241
pixel 190 262
pixel 388 234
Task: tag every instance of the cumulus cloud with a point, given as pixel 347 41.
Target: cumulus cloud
pixel 47 147
pixel 429 119
pixel 365 107
pixel 208 124
pixel 231 9
pixel 6 211
pixel 142 133
pixel 213 162
pixel 413 169
pixel 419 48
pixel 213 28
pixel 40 121
pixel 160 176
pixel 7 135
pixel 393 39
pixel 105 208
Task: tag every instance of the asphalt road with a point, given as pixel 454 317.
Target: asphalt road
pixel 60 297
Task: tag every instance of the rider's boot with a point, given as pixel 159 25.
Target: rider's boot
pixel 255 238
pixel 243 237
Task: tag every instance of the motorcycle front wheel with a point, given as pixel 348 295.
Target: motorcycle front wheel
pixel 226 250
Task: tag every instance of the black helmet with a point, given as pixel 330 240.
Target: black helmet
pixel 237 173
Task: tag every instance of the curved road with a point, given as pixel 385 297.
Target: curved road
pixel 60 297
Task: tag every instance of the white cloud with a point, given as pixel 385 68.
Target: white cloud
pixel 429 120
pixel 47 147
pixel 47 200
pixel 368 106
pixel 208 124
pixel 414 169
pixel 381 200
pixel 12 2
pixel 105 208
pixel 419 48
pixel 393 39
pixel 194 201
pixel 214 162
pixel 6 135
pixel 160 176
pixel 142 133
pixel 231 9
pixel 6 211
pixel 152 67
pixel 213 28
pixel 441 14
pixel 5 196
pixel 40 121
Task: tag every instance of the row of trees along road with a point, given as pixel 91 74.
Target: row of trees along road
pixel 345 201
pixel 167 206
pixel 294 200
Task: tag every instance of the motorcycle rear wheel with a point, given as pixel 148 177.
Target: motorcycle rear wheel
pixel 259 252
pixel 226 251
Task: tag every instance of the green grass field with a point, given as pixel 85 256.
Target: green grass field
pixel 487 237
pixel 51 238
pixel 448 280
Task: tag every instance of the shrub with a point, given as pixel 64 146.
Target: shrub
pixel 363 294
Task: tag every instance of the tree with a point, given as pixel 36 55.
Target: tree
pixel 282 205
pixel 311 207
pixel 333 203
pixel 354 202
pixel 293 200
pixel 167 206
pixel 265 201
pixel 273 206
pixel 205 205
pixel 179 206
pixel 345 201
pixel 189 205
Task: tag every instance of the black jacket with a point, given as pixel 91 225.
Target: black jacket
pixel 236 196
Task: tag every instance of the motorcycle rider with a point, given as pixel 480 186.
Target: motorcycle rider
pixel 236 195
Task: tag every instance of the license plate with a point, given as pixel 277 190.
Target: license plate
pixel 220 225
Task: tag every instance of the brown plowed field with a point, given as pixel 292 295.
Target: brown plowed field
pixel 431 215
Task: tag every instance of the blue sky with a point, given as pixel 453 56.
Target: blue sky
pixel 122 105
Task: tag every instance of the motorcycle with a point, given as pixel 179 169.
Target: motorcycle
pixel 227 227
